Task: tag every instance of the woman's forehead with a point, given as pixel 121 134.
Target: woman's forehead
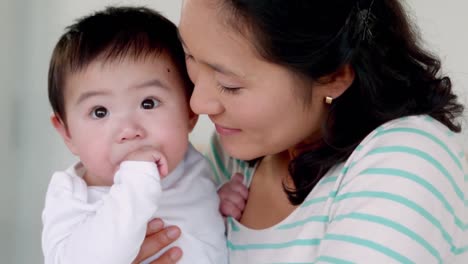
pixel 209 39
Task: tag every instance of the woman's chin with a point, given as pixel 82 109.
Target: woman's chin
pixel 241 151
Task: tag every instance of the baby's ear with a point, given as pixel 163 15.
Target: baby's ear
pixel 62 129
pixel 193 118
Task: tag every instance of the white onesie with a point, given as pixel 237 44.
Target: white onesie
pixel 100 225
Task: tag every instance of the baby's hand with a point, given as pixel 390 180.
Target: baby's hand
pixel 151 155
pixel 233 196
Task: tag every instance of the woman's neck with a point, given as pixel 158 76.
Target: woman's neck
pixel 268 204
pixel 276 167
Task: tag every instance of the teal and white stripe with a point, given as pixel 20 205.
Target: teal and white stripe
pixel 401 197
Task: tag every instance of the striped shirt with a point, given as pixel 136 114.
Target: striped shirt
pixel 401 197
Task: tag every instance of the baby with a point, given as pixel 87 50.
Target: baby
pixel 119 91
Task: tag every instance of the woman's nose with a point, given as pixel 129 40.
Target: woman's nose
pixel 205 99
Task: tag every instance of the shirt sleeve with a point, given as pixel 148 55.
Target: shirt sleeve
pixel 109 231
pixel 402 199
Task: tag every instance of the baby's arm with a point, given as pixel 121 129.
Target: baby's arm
pixel 109 231
pixel 233 196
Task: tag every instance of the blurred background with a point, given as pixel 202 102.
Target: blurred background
pixel 30 150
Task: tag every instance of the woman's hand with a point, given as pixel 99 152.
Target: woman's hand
pixel 233 196
pixel 157 238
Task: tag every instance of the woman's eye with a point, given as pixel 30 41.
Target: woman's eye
pixel 188 56
pixel 99 112
pixel 150 103
pixel 230 90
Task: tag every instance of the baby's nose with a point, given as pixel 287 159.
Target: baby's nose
pixel 130 132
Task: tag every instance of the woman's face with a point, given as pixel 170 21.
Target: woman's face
pixel 257 107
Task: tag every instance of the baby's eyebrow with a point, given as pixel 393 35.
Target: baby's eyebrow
pixel 86 95
pixel 146 84
pixel 151 83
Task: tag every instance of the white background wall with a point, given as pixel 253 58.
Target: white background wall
pixel 29 148
pixel 7 176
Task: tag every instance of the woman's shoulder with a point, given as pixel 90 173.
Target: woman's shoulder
pixel 424 122
pixel 404 188
pixel 415 134
pixel 417 147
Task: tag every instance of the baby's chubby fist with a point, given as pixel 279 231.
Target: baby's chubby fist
pixel 233 196
pixel 150 154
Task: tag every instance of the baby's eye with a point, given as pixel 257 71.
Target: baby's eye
pixel 150 103
pixel 99 112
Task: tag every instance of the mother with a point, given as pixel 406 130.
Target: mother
pixel 346 125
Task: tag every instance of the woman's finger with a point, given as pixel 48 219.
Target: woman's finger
pixel 154 226
pixel 169 257
pixel 155 242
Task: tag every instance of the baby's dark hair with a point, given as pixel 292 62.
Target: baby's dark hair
pixel 112 34
pixel 394 75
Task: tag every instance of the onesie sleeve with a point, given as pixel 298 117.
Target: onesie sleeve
pixel 109 231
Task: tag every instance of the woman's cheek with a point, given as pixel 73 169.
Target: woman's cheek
pixel 192 70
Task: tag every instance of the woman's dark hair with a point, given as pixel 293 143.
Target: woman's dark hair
pixel 394 75
pixel 112 34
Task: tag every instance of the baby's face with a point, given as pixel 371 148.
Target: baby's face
pixel 118 107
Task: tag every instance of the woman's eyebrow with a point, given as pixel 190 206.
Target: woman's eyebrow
pixel 218 68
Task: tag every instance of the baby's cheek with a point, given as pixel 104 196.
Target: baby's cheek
pixel 118 152
pixel 98 165
pixel 175 149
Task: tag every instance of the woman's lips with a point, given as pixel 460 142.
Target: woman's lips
pixel 226 131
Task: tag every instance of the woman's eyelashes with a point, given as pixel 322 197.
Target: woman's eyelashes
pixel 222 88
pixel 228 89
pixel 188 57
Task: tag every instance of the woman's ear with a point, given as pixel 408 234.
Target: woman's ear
pixel 338 82
pixel 62 129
